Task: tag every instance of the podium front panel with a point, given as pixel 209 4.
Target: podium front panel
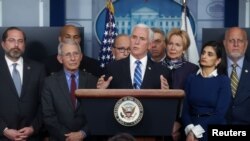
pixel 158 118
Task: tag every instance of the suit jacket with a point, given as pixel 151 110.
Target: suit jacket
pixel 59 115
pixel 240 106
pixel 120 70
pixel 18 112
pixel 87 64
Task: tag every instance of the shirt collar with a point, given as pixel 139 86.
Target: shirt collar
pixel 163 58
pixel 239 62
pixel 10 62
pixel 213 74
pixel 143 60
pixel 68 74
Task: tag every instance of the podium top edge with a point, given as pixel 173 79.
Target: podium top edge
pixel 118 93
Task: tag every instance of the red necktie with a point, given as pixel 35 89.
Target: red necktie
pixel 72 90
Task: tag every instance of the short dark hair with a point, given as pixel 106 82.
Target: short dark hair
pixel 158 30
pixel 5 33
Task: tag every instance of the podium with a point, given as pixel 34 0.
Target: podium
pixel 159 107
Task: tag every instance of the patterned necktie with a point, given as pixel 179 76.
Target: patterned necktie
pixel 17 79
pixel 72 90
pixel 137 75
pixel 234 80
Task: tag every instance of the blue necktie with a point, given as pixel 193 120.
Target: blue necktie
pixel 137 75
pixel 17 79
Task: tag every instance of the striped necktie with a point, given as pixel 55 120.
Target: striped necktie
pixel 137 75
pixel 234 80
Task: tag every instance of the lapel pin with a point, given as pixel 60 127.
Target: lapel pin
pixel 246 71
pixel 149 68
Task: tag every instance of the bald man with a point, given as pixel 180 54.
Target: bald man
pixel 88 64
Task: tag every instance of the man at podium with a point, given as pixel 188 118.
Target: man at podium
pixel 136 71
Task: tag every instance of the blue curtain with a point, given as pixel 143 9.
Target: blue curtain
pixel 57 12
pixel 231 13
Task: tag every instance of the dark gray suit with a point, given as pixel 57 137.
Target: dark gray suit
pixel 240 106
pixel 120 70
pixel 58 112
pixel 18 112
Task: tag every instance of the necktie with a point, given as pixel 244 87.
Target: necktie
pixel 72 90
pixel 234 80
pixel 137 75
pixel 17 79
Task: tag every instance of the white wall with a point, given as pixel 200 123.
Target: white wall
pixel 244 13
pixel 24 12
pixel 84 12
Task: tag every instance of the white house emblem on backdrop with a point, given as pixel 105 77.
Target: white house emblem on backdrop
pixel 164 14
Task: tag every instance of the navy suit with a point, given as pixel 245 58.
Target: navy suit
pixel 120 70
pixel 240 106
pixel 59 115
pixel 18 112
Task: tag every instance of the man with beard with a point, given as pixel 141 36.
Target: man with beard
pixel 21 82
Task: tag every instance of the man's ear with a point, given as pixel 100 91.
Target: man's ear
pixel 59 58
pixel 113 51
pixel 59 38
pixel 150 45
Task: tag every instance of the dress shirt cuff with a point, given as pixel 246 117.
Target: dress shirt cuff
pixel 83 133
pixel 198 131
pixel 6 128
pixel 188 128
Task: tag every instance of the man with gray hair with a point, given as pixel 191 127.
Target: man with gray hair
pixel 124 73
pixel 63 113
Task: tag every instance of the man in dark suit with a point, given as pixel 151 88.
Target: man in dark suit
pixel 235 43
pixel 88 64
pixel 21 82
pixel 120 74
pixel 63 114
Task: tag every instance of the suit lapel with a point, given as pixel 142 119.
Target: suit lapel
pixel 82 80
pixel 245 76
pixel 27 71
pixel 64 88
pixel 126 70
pixel 147 74
pixel 6 76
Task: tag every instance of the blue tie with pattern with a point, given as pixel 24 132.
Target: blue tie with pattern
pixel 137 75
pixel 17 79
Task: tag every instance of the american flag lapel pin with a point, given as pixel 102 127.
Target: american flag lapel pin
pixel 246 71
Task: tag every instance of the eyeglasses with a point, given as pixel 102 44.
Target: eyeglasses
pixel 70 55
pixel 14 41
pixel 122 49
